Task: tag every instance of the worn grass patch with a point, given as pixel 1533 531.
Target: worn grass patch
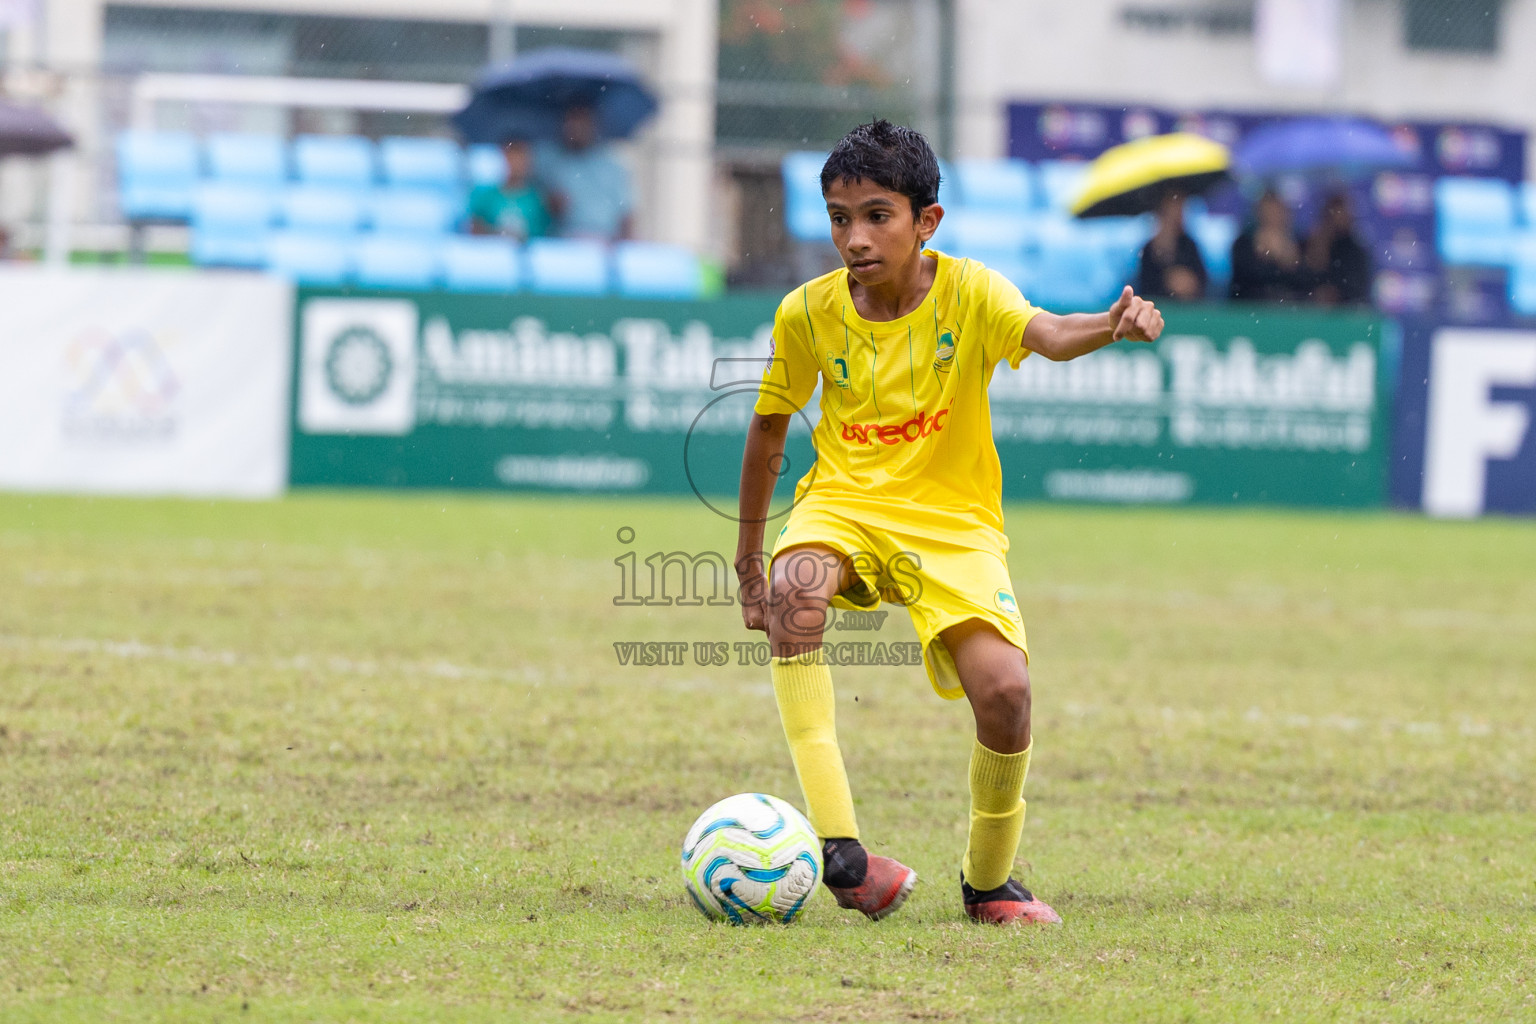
pixel 373 758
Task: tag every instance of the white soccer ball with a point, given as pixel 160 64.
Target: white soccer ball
pixel 751 859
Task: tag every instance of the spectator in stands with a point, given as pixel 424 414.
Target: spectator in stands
pixel 1171 266
pixel 514 208
pixel 1266 258
pixel 588 188
pixel 1337 266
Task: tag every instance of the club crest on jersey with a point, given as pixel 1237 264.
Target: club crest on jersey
pixel 837 370
pixel 944 357
pixel 1006 604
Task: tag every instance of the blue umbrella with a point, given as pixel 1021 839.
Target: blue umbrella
pixel 526 98
pixel 1343 145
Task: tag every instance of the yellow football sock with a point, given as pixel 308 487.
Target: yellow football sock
pixel 997 815
pixel 803 687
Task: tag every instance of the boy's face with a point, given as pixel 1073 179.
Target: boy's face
pixel 874 230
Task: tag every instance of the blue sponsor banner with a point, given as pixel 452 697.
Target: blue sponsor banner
pixel 1464 441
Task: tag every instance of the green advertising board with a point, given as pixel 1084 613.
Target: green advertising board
pixel 438 390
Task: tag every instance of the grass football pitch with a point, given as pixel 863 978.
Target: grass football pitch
pixel 375 758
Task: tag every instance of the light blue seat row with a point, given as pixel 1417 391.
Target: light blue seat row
pixel 334 160
pixel 805 212
pixel 462 263
pixel 223 205
pixel 237 157
pixel 1060 183
pixel 157 171
pixel 997 184
pixel 1214 234
pixel 458 262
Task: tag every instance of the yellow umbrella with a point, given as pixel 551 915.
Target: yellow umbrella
pixel 1132 178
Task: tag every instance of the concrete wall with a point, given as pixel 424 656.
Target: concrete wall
pixel 1050 49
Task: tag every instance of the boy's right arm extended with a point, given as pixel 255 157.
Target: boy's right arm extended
pixel 760 464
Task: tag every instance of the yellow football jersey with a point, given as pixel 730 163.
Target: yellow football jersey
pixel 905 437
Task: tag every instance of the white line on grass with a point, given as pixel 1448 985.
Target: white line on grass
pixel 131 649
pixel 333 664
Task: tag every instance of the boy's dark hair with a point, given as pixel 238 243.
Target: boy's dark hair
pixel 890 155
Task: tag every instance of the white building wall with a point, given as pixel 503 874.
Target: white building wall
pixel 1082 50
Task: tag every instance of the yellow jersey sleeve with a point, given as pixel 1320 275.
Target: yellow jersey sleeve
pixel 789 379
pixel 1004 313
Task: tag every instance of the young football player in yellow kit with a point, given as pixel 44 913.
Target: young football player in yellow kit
pixel 904 501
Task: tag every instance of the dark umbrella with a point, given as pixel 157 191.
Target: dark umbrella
pixel 27 131
pixel 1345 145
pixel 527 98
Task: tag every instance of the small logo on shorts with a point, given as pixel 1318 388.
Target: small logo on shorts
pixel 1006 604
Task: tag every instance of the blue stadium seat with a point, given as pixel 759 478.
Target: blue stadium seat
pixel 252 159
pixel 1474 220
pixel 805 211
pixel 1073 270
pixel 1060 183
pixel 481 264
pixel 156 173
pixel 395 261
pixel 1522 289
pixel 969 230
pixel 413 210
pixel 949 193
pixel 219 248
pixel 995 184
pixel 309 257
pixel 344 160
pixel 485 165
pixel 1119 240
pixel 321 208
pixel 567 266
pixel 230 223
pixel 222 205
pixel 1214 234
pixel 654 271
pixel 1527 200
pixel 421 163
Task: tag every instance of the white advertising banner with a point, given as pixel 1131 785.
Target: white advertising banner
pixel 144 382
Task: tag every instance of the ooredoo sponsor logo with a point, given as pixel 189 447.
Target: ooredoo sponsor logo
pixel 920 426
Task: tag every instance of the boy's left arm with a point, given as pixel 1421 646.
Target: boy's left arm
pixel 1059 338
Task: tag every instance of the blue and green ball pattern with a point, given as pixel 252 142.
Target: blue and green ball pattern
pixel 751 859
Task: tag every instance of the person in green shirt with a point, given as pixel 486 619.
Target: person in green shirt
pixel 514 208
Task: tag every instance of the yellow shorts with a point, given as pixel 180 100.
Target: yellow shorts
pixel 940 582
